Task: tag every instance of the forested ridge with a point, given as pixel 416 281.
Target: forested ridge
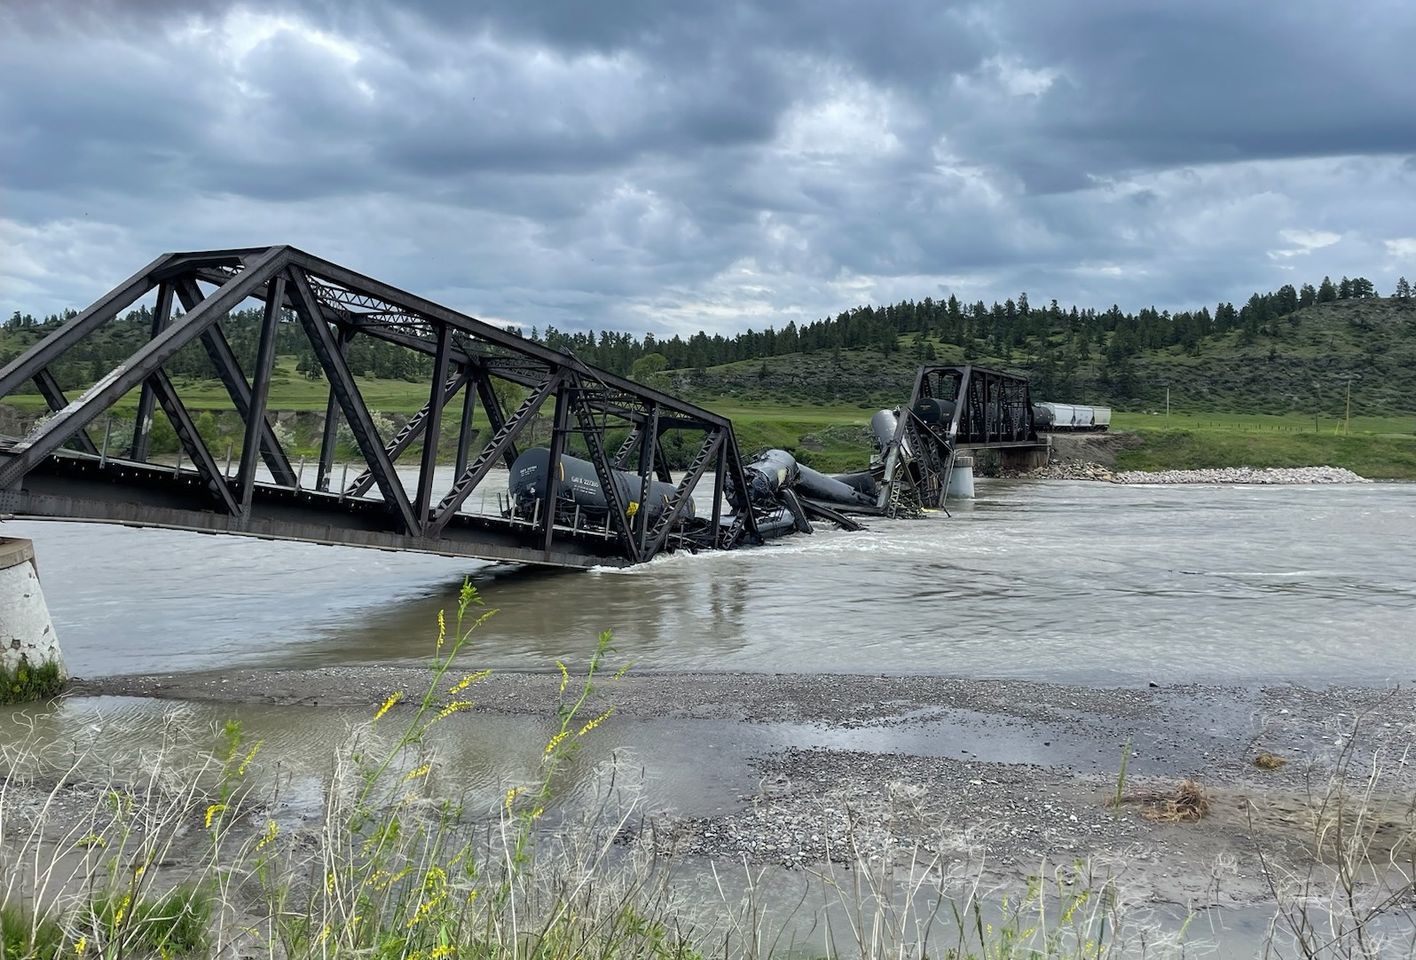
pixel 1106 354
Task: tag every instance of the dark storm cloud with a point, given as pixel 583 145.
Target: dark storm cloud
pixel 668 166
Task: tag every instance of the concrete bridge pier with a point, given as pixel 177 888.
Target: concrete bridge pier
pixel 1023 459
pixel 961 479
pixel 27 634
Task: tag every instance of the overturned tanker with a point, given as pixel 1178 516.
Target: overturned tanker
pixel 580 490
pixel 773 494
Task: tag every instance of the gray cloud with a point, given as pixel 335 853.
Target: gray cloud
pixel 671 166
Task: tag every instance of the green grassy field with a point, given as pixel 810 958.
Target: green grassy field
pixel 833 436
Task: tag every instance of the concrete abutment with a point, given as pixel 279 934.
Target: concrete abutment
pixel 27 637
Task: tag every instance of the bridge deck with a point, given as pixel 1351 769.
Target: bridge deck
pixel 74 487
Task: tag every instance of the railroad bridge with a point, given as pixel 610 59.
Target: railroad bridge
pixel 70 466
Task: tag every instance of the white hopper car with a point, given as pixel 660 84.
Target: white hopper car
pixel 1069 417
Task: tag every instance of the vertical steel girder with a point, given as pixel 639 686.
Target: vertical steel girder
pixel 465 431
pixel 142 425
pixel 559 428
pixel 648 450
pixel 431 424
pixel 259 392
pixel 330 434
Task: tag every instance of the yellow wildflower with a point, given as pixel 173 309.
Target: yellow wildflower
pixel 555 742
pixel 270 831
pixel 442 629
pixel 455 706
pixel 80 946
pixel 241 770
pixel 425 908
pixel 595 723
pixel 417 772
pixel 91 840
pixel 565 676
pixel 511 796
pixel 212 811
pixel 122 911
pixel 324 934
pixel 443 951
pixel 468 680
pixel 388 705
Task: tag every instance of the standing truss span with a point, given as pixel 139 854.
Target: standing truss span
pixel 490 384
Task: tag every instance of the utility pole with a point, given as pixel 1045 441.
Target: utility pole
pixel 1167 404
pixel 1347 420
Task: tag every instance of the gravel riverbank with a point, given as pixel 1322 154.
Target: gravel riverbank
pixel 1085 470
pixel 1010 773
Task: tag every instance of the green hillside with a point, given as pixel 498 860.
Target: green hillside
pixel 1300 363
pixel 1262 388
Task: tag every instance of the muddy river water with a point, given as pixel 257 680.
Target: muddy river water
pixel 1074 582
pixel 999 658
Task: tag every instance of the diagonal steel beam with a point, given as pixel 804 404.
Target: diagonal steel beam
pixel 148 358
pixel 496 416
pixel 36 358
pixel 412 430
pixel 192 441
pixel 604 471
pixel 501 441
pixel 660 532
pixel 54 396
pixel 228 371
pixel 351 401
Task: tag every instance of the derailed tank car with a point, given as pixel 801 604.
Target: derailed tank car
pixel 579 489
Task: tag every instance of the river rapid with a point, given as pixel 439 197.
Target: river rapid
pixel 1057 581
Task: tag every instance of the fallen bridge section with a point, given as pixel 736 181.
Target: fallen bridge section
pixel 478 373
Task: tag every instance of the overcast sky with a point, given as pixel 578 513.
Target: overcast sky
pixel 665 167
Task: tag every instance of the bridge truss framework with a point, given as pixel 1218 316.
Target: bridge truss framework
pixel 59 471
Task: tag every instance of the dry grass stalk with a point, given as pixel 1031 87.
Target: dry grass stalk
pixel 1187 803
pixel 1269 761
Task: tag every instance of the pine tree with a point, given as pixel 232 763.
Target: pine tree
pixel 1327 293
pixel 1403 289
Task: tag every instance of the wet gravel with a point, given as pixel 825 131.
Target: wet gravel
pixel 1008 773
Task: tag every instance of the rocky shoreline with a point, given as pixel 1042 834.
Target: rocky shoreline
pixel 1015 773
pixel 1267 476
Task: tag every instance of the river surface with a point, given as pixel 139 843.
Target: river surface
pixel 1078 582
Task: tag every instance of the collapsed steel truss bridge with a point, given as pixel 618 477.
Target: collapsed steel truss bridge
pixel 954 410
pixel 59 471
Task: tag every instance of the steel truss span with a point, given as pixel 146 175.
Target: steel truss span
pixel 951 410
pixel 71 466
